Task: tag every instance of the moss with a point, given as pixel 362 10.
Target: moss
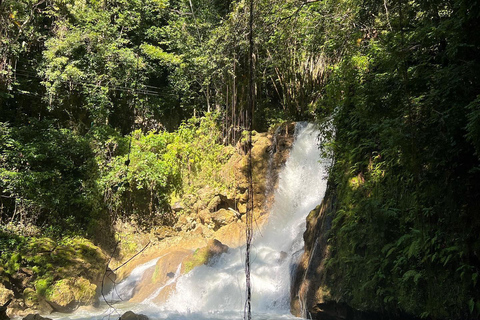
pixel 42 285
pixel 200 256
pixel 69 290
pixel 30 297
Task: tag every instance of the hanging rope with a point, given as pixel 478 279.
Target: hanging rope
pixel 249 216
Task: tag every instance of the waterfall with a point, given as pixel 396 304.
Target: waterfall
pixel 218 290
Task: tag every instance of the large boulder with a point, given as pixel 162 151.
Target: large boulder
pixel 164 270
pixel 223 217
pixel 67 294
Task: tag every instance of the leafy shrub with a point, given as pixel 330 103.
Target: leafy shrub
pixel 140 181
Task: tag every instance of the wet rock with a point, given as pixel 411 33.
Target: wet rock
pixel 205 255
pixel 130 315
pixel 164 271
pixel 35 316
pixel 309 284
pixel 44 307
pixel 216 248
pixel 107 282
pixel 232 235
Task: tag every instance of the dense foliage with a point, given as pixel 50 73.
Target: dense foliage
pixel 405 231
pixel 94 97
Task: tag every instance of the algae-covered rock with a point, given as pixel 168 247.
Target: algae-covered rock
pixel 204 255
pixel 67 294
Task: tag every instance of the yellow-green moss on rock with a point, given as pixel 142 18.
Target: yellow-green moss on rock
pixel 67 294
pixel 205 254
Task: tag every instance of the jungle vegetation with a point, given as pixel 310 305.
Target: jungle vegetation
pixel 106 106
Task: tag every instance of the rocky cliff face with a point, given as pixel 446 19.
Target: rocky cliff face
pixel 309 291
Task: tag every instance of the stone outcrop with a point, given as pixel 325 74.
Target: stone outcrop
pixel 167 269
pixel 309 291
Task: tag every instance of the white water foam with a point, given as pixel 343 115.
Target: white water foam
pixel 220 287
pixel 217 291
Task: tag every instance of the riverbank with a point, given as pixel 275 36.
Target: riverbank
pixel 48 275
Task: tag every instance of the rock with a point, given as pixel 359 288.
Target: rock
pixel 5 294
pixel 3 310
pixel 242 197
pixel 164 232
pixel 309 287
pixel 22 277
pixel 223 217
pixel 198 231
pixel 205 255
pixel 214 203
pixel 197 206
pixel 205 217
pixel 67 294
pixel 242 208
pixel 216 248
pixel 220 201
pixel 30 297
pixel 181 223
pixel 44 307
pixel 107 282
pixel 35 316
pixel 129 315
pixel 157 277
pixel 177 207
pixel 232 235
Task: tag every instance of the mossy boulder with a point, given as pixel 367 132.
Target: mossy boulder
pixel 67 294
pixel 205 255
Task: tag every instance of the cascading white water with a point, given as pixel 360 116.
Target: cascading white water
pixel 217 291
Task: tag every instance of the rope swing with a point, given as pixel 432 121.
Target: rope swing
pixel 249 215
